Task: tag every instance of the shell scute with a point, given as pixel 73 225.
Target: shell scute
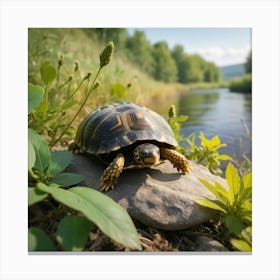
pixel 112 127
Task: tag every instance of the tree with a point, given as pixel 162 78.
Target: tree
pixel 211 72
pixel 248 63
pixel 165 67
pixel 140 51
pixel 180 58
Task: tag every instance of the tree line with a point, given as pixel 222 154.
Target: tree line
pixel 157 60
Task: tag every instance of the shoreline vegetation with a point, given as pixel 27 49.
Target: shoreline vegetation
pixel 77 52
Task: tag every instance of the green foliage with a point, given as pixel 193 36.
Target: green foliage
pixel 235 204
pixel 35 97
pixel 140 52
pixel 72 232
pixel 243 84
pixel 165 68
pixel 47 106
pixel 118 91
pixel 38 240
pixel 47 166
pixel 108 215
pixel 207 153
pixel 244 243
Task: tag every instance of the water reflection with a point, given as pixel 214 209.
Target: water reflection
pixel 219 112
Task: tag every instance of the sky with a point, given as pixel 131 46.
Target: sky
pixel 223 46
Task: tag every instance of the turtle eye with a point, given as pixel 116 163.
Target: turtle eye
pixel 136 155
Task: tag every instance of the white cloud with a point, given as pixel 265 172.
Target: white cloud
pixel 223 56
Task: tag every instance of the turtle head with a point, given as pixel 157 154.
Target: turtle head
pixel 147 154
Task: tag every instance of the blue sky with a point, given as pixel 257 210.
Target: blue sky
pixel 223 46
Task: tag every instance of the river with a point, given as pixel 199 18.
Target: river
pixel 218 112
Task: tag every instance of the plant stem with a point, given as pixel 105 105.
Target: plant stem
pixel 53 143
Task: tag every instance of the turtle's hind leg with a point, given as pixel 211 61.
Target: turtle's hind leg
pixel 112 173
pixel 178 160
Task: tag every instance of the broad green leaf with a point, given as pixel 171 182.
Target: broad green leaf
pixel 41 150
pixel 233 181
pixel 210 204
pixel 247 180
pixel 31 155
pixel 59 161
pixel 72 232
pixel 67 179
pixel 234 224
pixel 38 240
pixel 35 97
pixel 241 245
pixel 204 142
pixel 223 157
pixel 118 90
pixel 215 142
pixel 35 195
pixel 108 215
pixel 219 191
pixel 48 73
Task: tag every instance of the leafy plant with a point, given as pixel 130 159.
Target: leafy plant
pixel 46 179
pixel 206 154
pixel 50 118
pixel 234 204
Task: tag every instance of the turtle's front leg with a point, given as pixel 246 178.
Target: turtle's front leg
pixel 178 160
pixel 112 173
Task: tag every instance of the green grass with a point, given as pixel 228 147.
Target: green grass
pixel 243 84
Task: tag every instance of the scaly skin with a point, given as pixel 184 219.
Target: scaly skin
pixel 178 160
pixel 112 173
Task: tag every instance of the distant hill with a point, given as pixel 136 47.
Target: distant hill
pixel 232 71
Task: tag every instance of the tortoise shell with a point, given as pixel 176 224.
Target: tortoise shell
pixel 120 125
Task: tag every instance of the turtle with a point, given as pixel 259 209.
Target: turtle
pixel 127 136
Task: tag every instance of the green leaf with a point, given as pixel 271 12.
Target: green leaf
pixel 35 195
pixel 215 142
pixel 48 73
pixel 233 181
pixel 35 96
pixel 234 224
pixel 241 245
pixel 38 240
pixel 59 161
pixel 247 180
pixel 217 190
pixel 204 142
pixel 118 90
pixel 108 215
pixel 67 179
pixel 41 150
pixel 223 157
pixel 210 204
pixel 31 155
pixel 72 232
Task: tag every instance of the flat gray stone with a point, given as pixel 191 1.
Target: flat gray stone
pixel 159 196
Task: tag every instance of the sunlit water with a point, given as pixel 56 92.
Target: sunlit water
pixel 218 112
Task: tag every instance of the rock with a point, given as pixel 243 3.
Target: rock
pixel 206 244
pixel 159 196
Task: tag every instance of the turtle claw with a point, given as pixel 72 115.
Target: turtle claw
pixel 178 160
pixel 112 173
